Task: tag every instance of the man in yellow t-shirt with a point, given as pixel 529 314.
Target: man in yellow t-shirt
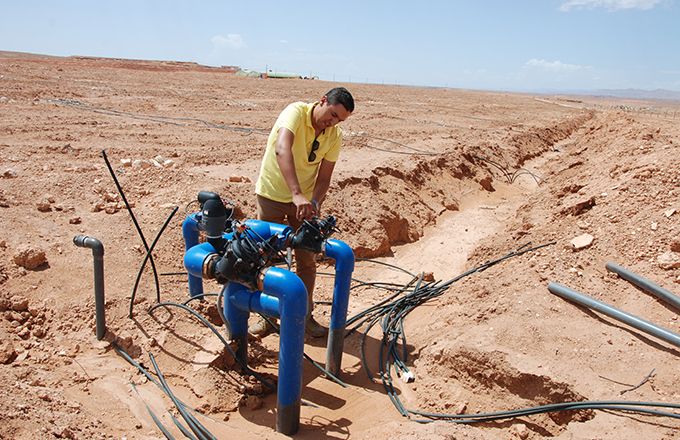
pixel 295 174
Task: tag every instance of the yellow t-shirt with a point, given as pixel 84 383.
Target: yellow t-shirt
pixel 296 117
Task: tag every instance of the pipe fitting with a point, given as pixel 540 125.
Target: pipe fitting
pixel 98 260
pixel 344 266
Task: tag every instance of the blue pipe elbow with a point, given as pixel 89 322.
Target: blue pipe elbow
pixel 292 295
pixel 190 234
pixel 194 258
pixel 343 255
pixel 264 230
pixel 344 266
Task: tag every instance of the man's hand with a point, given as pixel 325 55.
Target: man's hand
pixel 304 208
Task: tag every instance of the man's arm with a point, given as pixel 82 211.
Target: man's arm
pixel 323 181
pixel 284 158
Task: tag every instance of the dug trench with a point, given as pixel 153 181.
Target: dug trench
pixel 451 193
pixel 429 228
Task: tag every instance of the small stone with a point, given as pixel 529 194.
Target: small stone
pixel 29 257
pixel 582 224
pixel 19 303
pixel 44 206
pixel 126 162
pixel 668 260
pixel 675 246
pixel 75 220
pixel 520 430
pixel 579 207
pixel 168 163
pixel 582 241
pixel 486 184
pixel 428 276
pixel 669 212
pixel 9 173
pixel 654 226
pixel 253 403
pixel 7 352
pixel 460 408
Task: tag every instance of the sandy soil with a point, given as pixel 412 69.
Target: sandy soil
pixel 430 180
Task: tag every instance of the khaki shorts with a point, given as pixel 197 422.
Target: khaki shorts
pixel 305 261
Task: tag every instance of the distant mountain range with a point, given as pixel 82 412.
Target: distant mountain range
pixel 657 94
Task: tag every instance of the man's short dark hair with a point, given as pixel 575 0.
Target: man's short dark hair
pixel 340 95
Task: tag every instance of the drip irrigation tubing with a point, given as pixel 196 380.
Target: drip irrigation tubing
pixel 510 177
pixel 212 328
pixel 201 432
pixel 414 151
pixel 156 118
pixel 122 353
pixel 146 258
pixel 391 316
pixel 386 264
pixel 134 220
pixel 154 417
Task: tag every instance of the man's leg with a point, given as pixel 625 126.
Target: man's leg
pixel 305 267
pixel 275 212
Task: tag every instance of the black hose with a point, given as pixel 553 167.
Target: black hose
pixel 134 220
pixel 155 418
pixel 146 257
pixel 205 322
pixel 142 370
pixel 386 264
pixel 198 429
pixel 392 316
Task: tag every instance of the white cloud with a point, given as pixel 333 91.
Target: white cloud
pixel 611 5
pixel 554 66
pixel 233 41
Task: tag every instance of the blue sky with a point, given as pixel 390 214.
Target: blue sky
pixel 518 45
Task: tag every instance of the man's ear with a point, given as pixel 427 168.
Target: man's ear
pixel 323 100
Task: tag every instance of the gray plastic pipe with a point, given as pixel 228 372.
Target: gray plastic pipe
pixel 98 257
pixel 633 321
pixel 644 284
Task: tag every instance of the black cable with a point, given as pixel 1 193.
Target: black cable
pixel 417 150
pixel 155 418
pixel 205 322
pixel 146 258
pixel 182 428
pixel 386 264
pixel 199 296
pixel 142 370
pixel 392 315
pixel 198 429
pixel 134 220
pixel 155 118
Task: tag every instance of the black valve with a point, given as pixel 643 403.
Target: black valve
pixel 243 258
pixel 312 233
pixel 215 218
